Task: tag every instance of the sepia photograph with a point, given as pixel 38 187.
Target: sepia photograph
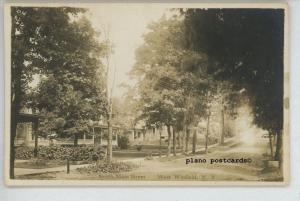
pixel 146 94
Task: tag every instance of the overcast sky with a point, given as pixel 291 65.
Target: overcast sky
pixel 127 26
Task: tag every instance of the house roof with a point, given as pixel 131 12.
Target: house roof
pixel 105 126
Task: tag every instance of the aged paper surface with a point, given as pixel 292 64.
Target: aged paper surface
pixel 146 94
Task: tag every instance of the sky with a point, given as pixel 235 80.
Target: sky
pixel 126 27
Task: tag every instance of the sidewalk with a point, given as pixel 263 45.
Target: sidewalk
pixel 25 171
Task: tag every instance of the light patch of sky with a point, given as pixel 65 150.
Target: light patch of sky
pixel 126 28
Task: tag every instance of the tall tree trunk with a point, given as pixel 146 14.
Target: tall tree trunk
pixel 15 109
pixel 75 139
pixel 187 139
pixel 207 132
pixel 36 138
pixel 160 141
pixel 13 131
pixel 182 141
pixel 109 138
pixel 274 139
pixel 194 141
pixel 169 140
pixel 278 153
pixel 109 92
pixel 179 134
pixel 184 131
pixel 222 126
pixel 271 146
pixel 16 97
pixel 174 141
pixel 17 66
pixel 93 137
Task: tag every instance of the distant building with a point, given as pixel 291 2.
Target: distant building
pixel 100 135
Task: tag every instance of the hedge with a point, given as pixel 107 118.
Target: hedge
pixel 80 153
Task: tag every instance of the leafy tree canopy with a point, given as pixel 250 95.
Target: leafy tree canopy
pixel 245 47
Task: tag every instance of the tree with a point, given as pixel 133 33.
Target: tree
pixel 159 98
pixel 109 90
pixel 75 92
pixel 244 47
pixel 32 36
pixel 50 43
pixel 169 84
pixel 159 95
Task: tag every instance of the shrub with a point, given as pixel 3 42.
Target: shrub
pixel 24 153
pixel 102 167
pixel 139 148
pixel 123 142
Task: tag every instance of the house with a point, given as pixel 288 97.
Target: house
pixel 100 135
pixel 27 126
pixel 145 135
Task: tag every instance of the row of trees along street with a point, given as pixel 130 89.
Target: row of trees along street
pixel 197 60
pixel 190 63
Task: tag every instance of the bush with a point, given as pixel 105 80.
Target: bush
pixel 212 140
pixel 139 148
pixel 81 153
pixel 24 153
pixel 123 142
pixel 102 167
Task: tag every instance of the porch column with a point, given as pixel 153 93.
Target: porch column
pixel 132 134
pixel 27 134
pixel 117 138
